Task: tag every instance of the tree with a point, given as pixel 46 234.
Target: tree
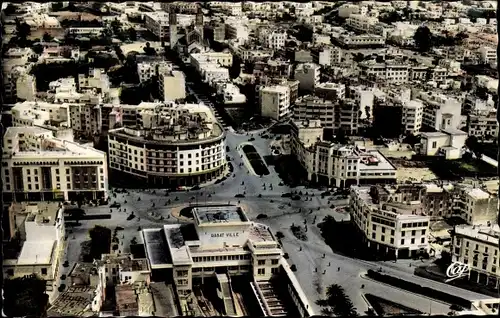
pixel 422 38
pixel 116 25
pixel 341 137
pixel 149 50
pixel 472 143
pixel 235 69
pixel 97 6
pixel 119 53
pixel 37 48
pixel 57 6
pixel 100 242
pixel 77 214
pixel 132 34
pixel 339 302
pixel 25 297
pixel 10 9
pixel 22 30
pixel 47 37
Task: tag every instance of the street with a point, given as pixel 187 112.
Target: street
pixel 150 206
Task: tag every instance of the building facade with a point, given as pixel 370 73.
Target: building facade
pixel 180 145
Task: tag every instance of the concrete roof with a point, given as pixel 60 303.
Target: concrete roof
pixel 36 253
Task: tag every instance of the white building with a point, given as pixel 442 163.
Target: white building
pixel 274 101
pixel 147 69
pixel 224 239
pixel 391 219
pixel 447 142
pixel 176 145
pixel 172 85
pixel 39 166
pixel 275 39
pixel 360 22
pixel 363 40
pixel 440 111
pixel 230 94
pixel 308 75
pixel 488 54
pixel 40 227
pixel 413 111
pixel 26 87
pixel 477 246
pixel 334 164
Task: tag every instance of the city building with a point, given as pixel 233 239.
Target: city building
pixel 412 116
pixel 334 164
pixel 172 85
pixel 391 219
pixel 360 41
pixel 308 75
pixel 447 142
pixel 223 243
pixel 477 246
pixel 40 229
pixel 38 166
pixel 274 101
pixel 174 145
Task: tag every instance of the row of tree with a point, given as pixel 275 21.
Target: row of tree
pixel 425 39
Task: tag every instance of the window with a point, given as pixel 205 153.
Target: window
pixel 423 232
pixel 434 144
pixel 44 271
pixel 261 271
pixel 374 227
pixel 274 262
pixel 422 240
pixel 261 262
pixel 413 233
pixel 402 241
pixel 412 241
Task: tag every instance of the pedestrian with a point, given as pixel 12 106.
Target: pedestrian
pixel 338 269
pixel 324 272
pixel 329 264
pixel 324 255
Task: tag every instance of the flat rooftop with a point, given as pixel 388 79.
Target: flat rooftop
pixel 36 253
pixel 260 233
pixel 156 247
pixel 487 234
pixel 217 215
pixel 73 302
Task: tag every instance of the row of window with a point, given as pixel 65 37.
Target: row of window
pixel 219 258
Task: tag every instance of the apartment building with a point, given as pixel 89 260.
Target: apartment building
pixel 359 41
pixel 391 73
pixel 40 227
pixel 172 85
pixel 202 60
pixel 274 40
pixel 483 124
pixel 327 55
pixel 477 246
pixel 446 142
pixel 391 219
pixel 147 68
pixel 157 23
pixel 487 54
pixel 440 111
pixel 334 115
pixel 331 91
pixel 334 164
pixel 175 146
pixel 413 111
pixel 360 22
pixel 308 75
pixel 274 101
pixel 180 7
pixel 41 167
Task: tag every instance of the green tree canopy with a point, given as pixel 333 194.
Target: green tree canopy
pixel 25 297
pixel 423 38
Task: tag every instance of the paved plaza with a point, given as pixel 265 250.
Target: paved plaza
pixel 152 209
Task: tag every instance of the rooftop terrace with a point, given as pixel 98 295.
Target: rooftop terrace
pixel 216 215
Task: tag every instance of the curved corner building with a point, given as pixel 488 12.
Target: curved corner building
pixel 171 146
